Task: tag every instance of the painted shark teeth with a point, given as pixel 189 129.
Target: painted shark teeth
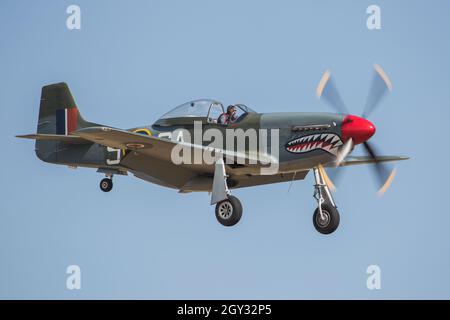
pixel 329 142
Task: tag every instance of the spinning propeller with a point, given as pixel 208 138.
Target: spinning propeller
pixel 358 130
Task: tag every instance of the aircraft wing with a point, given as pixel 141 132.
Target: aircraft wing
pixel 155 147
pixel 357 160
pixel 121 139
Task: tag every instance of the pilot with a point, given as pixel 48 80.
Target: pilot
pixel 229 116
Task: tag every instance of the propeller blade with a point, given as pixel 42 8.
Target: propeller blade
pixel 327 90
pixel 383 172
pixel 388 182
pixel 380 85
pixel 327 179
pixel 292 181
pixel 346 149
pixel 335 175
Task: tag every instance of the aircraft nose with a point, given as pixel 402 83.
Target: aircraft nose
pixel 357 128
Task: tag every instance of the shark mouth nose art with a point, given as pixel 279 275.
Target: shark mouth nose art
pixel 329 142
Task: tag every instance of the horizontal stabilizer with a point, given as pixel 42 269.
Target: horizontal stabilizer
pixel 55 137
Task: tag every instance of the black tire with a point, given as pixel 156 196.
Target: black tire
pixel 229 211
pixel 106 185
pixel 331 223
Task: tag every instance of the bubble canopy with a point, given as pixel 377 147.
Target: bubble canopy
pixel 201 108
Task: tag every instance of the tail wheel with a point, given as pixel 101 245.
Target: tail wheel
pixel 328 222
pixel 229 211
pixel 106 185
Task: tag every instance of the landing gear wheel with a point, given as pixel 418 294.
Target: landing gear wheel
pixel 229 211
pixel 106 185
pixel 330 220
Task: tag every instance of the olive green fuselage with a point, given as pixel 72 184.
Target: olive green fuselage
pixel 289 127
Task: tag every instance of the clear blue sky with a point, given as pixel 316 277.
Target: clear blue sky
pixel 134 60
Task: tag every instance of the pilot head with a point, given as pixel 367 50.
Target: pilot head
pixel 231 110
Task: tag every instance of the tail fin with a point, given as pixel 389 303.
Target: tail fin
pixel 58 113
pixel 58 116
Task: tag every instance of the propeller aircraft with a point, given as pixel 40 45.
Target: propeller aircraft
pixel 304 141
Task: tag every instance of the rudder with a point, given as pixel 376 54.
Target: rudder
pixel 58 112
pixel 58 115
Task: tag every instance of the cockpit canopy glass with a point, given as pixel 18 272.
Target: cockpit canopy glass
pixel 197 108
pixel 202 108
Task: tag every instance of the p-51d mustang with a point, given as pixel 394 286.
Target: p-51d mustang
pixel 305 141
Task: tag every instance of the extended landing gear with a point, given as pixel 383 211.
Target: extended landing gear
pixel 228 208
pixel 106 184
pixel 328 221
pixel 229 211
pixel 326 217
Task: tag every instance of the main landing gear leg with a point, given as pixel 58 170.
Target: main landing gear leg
pixel 326 216
pixel 228 208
